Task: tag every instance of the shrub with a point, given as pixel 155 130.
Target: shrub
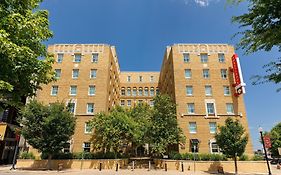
pixel 26 155
pixel 257 157
pixel 175 155
pixel 204 157
pixel 187 156
pixel 243 157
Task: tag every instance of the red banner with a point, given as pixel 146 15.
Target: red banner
pixel 236 70
pixel 267 142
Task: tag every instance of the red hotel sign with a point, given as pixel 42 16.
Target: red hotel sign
pixel 238 78
pixel 267 141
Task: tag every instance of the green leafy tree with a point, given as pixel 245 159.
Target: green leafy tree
pixel 262 25
pixel 47 128
pixel 232 140
pixel 112 130
pixel 165 131
pixel 23 28
pixel 275 137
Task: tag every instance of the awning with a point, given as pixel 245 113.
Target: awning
pixel 3 127
pixel 194 140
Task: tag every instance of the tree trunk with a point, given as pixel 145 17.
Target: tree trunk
pixel 49 161
pixel 235 163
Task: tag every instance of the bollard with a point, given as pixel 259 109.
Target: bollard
pixel 149 165
pixel 116 166
pixel 182 169
pixel 100 166
pixel 133 167
pixel 165 166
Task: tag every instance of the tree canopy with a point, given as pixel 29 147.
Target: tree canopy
pixel 23 28
pixel 275 137
pixel 231 139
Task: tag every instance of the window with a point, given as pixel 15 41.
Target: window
pixel 92 90
pixel 54 90
pixel 57 73
pixel 66 147
pixel 206 73
pixel 210 108
pixel 186 58
pixel 75 73
pixel 146 91
pixel 140 92
pixel 129 79
pixel 123 91
pixel 151 78
pixel 221 57
pixel 226 90
pixel 208 90
pixel 122 103
pixel 77 58
pixel 140 78
pixel 190 108
pixel 151 103
pixel 223 73
pixel 86 146
pixel 95 57
pixel 213 127
pixel 189 90
pixel 88 128
pixel 229 108
pixel 187 73
pixel 194 145
pixel 129 102
pixel 71 107
pixel 214 147
pixel 152 92
pixel 204 57
pixel 157 91
pixel 90 108
pixel 192 127
pixel 134 92
pixel 60 57
pixel 140 101
pixel 73 90
pixel 93 73
pixel 128 91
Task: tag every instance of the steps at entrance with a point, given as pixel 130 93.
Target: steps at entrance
pixel 141 163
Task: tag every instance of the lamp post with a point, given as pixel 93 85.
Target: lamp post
pixel 261 130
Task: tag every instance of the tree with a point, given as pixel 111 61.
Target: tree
pixel 232 140
pixel 164 131
pixel 275 137
pixel 113 130
pixel 263 32
pixel 47 128
pixel 23 28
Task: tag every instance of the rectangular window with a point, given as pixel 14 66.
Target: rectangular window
pixel 75 73
pixel 88 128
pixel 129 103
pixel 92 90
pixel 151 103
pixel 54 90
pixel 151 78
pixel 190 108
pixel 192 127
pixel 86 146
pixel 60 57
pixel 186 57
pixel 93 73
pixel 187 73
pixel 123 93
pixel 57 73
pixel 204 57
pixel 140 92
pixel 134 92
pixel 206 73
pixel 223 73
pixel 90 108
pixel 194 147
pixel 221 57
pixel 77 58
pixel 189 90
pixel 229 108
pixel 151 92
pixel 226 90
pixel 214 147
pixel 208 90
pixel 146 91
pixel 210 108
pixel 95 57
pixel 128 91
pixel 140 78
pixel 122 103
pixel 129 79
pixel 71 107
pixel 73 90
pixel 213 127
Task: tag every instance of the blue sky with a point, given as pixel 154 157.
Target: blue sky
pixel 141 29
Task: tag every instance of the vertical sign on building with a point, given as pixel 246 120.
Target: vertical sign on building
pixel 238 77
pixel 267 141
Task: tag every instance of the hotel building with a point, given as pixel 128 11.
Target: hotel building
pixel 198 77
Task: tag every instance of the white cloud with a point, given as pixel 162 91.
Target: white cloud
pixel 201 3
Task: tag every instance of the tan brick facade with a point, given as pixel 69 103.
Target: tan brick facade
pixel 109 87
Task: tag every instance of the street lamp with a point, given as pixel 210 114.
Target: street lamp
pixel 261 130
